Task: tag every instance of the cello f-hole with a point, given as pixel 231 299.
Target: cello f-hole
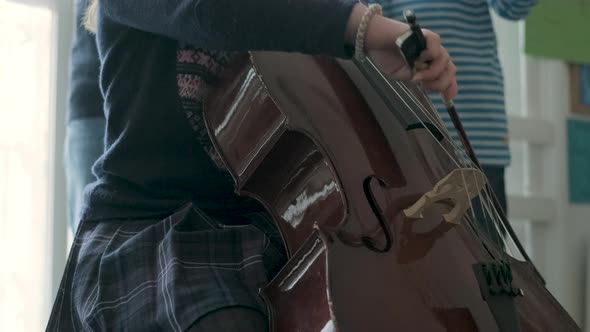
pixel 369 242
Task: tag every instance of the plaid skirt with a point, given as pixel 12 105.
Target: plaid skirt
pixel 163 275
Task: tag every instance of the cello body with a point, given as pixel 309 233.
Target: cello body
pixel 338 159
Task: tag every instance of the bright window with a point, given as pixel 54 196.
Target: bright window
pixel 25 113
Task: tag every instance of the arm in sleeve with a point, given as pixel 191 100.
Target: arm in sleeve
pixel 307 26
pixel 512 9
pixel 85 98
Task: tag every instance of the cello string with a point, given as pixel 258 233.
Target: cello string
pixel 422 108
pixel 388 83
pixel 411 110
pixel 434 116
pixel 488 209
pixel 502 230
pixel 415 28
pixel 442 127
pixel 494 217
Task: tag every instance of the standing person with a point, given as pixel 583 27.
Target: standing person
pixel 164 243
pixel 467 32
pixel 85 120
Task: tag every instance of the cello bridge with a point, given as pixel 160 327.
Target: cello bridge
pixel 459 187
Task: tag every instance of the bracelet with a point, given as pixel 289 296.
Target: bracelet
pixel 359 46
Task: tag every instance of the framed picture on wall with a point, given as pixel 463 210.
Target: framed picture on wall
pixel 580 88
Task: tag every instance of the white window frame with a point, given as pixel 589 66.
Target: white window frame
pixel 63 27
pixel 57 237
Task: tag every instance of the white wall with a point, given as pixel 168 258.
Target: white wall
pixel 538 90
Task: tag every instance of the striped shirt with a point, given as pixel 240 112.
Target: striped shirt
pixel 466 30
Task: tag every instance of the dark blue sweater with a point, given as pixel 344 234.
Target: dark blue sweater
pixel 153 161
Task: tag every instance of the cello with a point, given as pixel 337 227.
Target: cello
pixel 374 201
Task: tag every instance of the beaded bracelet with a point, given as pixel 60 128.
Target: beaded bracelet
pixel 359 48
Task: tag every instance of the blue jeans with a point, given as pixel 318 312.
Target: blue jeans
pixel 83 146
